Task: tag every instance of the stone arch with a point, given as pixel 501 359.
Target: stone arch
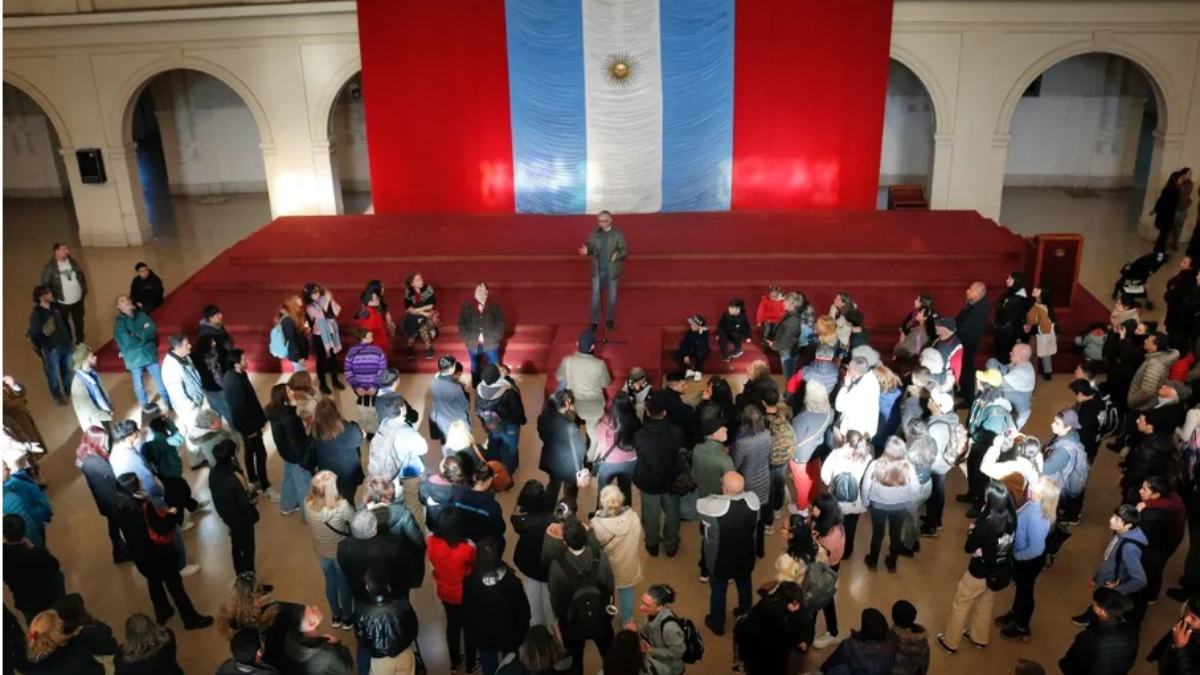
pixel 120 125
pixel 1153 71
pixel 937 96
pixel 329 95
pixel 26 87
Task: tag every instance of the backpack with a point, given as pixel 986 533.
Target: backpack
pixel 490 420
pixel 1120 546
pixel 844 488
pixel 587 614
pixel 820 585
pixel 959 444
pixel 693 642
pixel 1077 473
pixel 279 345
pixel 685 483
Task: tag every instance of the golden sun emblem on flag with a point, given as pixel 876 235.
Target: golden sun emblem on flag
pixel 621 70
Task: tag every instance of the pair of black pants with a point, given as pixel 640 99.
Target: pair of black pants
pixel 977 481
pixel 1024 577
pixel 241 539
pixel 169 582
pixel 256 459
pixel 327 364
pixel 73 317
pixel 967 385
pixel 697 363
pixel 765 517
pixel 178 493
pixel 850 524
pixel 119 551
pixel 728 343
pixel 454 636
pixel 830 610
pixel 1160 242
pixel 1069 507
pixel 893 519
pixel 936 504
pixel 570 493
pixel 575 645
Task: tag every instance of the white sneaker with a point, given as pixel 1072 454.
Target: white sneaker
pixel 271 494
pixel 696 375
pixel 189 570
pixel 689 374
pixel 825 640
pixel 187 525
pixel 201 503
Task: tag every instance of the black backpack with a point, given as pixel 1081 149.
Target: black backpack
pixel 587 614
pixel 693 643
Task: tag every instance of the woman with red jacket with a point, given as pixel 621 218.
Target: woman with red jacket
pixel 453 558
pixel 374 316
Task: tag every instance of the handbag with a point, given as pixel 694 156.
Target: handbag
pixel 157 538
pixel 1046 343
pixel 501 479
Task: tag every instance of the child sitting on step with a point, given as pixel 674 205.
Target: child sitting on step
pixel 693 348
pixel 770 313
pixel 732 330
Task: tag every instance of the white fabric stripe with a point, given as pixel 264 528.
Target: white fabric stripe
pixel 624 124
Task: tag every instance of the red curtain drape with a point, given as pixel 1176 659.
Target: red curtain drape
pixel 810 83
pixel 435 90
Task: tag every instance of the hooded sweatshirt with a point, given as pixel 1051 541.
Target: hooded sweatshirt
pixel 500 401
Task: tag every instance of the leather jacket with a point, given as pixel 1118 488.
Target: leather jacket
pixel 386 627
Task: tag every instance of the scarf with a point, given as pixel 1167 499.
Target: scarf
pixel 327 328
pixel 192 387
pixel 95 390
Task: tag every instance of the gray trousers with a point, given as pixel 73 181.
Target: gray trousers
pixel 660 519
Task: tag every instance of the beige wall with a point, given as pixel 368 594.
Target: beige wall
pixel 288 61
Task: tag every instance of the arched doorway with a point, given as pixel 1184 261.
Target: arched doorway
pixel 1080 152
pixel 908 126
pixel 348 139
pixel 35 174
pixel 198 148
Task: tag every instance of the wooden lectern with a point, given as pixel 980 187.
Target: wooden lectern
pixel 907 198
pixel 1054 259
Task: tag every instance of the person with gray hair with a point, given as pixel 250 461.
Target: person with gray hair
pixel 1019 380
pixel 206 431
pixel 184 389
pixel 889 486
pixel 786 340
pixel 810 427
pixel 858 400
pixel 366 548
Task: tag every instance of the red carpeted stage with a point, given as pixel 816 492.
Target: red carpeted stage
pixel 679 264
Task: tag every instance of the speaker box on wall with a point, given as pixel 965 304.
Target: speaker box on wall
pixel 1055 263
pixel 91 165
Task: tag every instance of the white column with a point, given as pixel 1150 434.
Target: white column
pixel 997 162
pixel 328 179
pixel 939 179
pixel 110 213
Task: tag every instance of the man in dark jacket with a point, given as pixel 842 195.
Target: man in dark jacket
pixel 1109 645
pixel 581 582
pixel 450 401
pixel 1180 654
pixel 1089 407
pixel 51 339
pixel 729 522
pixel 246 647
pixel 786 340
pixel 30 572
pixel 310 652
pixel 500 410
pixel 766 639
pixel 386 626
pixel 659 444
pixel 366 549
pixel 679 412
pixel 1151 456
pixel 1179 287
pixel 482 516
pixel 65 278
pixel 146 289
pixel 210 353
pixel 234 502
pixel 972 322
pixel 563 447
pixel 248 419
pixel 867 651
pixel 481 326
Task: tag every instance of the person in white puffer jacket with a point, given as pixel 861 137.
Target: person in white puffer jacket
pixel 858 400
pixel 850 456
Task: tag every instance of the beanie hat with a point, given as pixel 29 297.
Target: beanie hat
pixel 904 614
pixel 874 625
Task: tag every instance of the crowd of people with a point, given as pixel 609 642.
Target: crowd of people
pixel 850 432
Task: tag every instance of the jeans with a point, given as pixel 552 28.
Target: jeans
pixel 788 362
pixel 718 589
pixel 936 504
pixel 489 661
pixel 541 612
pixel 507 446
pixel 218 402
pixel 660 519
pixel 625 604
pixel 622 472
pixel 57 364
pixel 779 486
pixel 973 597
pixel 1024 576
pixel 256 459
pixel 611 285
pixel 337 589
pixel 893 519
pixel 139 387
pixel 299 366
pixel 455 636
pixel 477 354
pixel 73 316
pixel 295 488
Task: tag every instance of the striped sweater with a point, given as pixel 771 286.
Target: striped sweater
pixel 364 366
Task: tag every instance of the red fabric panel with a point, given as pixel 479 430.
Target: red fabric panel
pixel 810 83
pixel 435 86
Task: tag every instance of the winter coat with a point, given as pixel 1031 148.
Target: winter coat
pixel 736 329
pixel 230 496
pixel 531 537
pixel 248 416
pixel 482 516
pixel 658 445
pixel 1129 558
pixel 972 322
pixel 232 667
pixel 694 343
pixel 496 610
pixel 858 405
pixel 1149 378
pixel 566 574
pixel 840 461
pixel 32 575
pixel 601 245
pixel 76 657
pixel 621 536
pixel 681 414
pixel 316 656
pixel 341 455
pixel 48 329
pixel 101 481
pixel 52 279
pixel 146 294
pixel 1184 661
pixel 993 468
pixel 912 650
pixel 185 389
pixel 500 401
pixel 710 462
pixel 137 339
pixel 161 451
pixel 1103 648
pixel 666 640
pixel 728 523
pixel 89 412
pixel 787 334
pixel 450 402
pixel 766 638
pixel 151 559
pixel 386 627
pixel 210 354
pixel 435 494
pixel 857 656
pixel 1164 522
pixel 328 527
pixel 811 429
pixel 752 458
pixel 1092 344
pixel 1165 207
pixel 356 556
pixel 1011 309
pixel 564 449
pixel 769 311
pixel 1151 457
pixel 752 394
pixel 24 497
pixel 451 564
pixel 890 497
pixel 481 327
pixel 291 439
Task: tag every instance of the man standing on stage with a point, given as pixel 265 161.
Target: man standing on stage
pixel 972 321
pixel 606 246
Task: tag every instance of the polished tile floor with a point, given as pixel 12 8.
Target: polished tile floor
pixel 285 558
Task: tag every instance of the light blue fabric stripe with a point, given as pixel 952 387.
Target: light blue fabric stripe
pixel 697 73
pixel 549 124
